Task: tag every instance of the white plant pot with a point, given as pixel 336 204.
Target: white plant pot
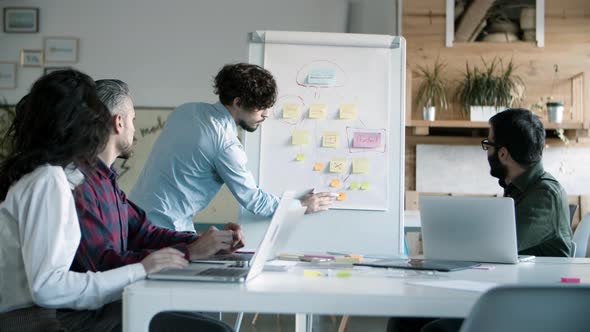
pixel 476 113
pixel 428 113
pixel 484 113
pixel 555 113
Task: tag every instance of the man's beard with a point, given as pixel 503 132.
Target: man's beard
pixel 127 149
pixel 497 170
pixel 246 127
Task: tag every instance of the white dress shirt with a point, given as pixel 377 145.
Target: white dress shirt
pixel 196 153
pixel 39 236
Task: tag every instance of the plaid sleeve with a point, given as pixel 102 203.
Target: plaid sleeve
pixel 99 248
pixel 144 234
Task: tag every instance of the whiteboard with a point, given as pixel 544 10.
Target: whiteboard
pixel 338 126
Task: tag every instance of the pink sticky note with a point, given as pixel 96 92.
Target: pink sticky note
pixel 366 140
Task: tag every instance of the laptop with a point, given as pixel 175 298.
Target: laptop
pixel 474 229
pixel 283 221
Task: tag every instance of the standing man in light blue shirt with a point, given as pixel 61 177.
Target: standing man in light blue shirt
pixel 198 151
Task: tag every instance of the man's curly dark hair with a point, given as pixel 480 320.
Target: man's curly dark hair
pixel 253 84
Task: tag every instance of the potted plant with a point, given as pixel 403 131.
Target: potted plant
pixel 484 92
pixel 432 90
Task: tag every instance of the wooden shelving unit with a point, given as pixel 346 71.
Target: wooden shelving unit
pixel 422 127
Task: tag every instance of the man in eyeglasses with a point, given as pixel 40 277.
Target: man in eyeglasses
pixel 515 147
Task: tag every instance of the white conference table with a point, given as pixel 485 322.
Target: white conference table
pixel 365 293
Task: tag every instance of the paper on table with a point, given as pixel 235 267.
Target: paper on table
pixel 466 285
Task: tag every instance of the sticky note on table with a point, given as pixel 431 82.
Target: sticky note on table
pixel 317 111
pixel 366 140
pixel 290 111
pixel 312 273
pixel 360 165
pixel 338 165
pixel 300 157
pixel 354 185
pixel 335 183
pixel 330 139
pixel 341 196
pixel 348 112
pixel 344 273
pixel 365 186
pixel 300 137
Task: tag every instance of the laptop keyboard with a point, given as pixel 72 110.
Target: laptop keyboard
pixel 223 272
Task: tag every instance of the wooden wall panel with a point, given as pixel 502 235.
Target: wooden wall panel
pixel 567 44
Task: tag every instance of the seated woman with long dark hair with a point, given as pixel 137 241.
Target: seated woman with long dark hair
pixel 60 123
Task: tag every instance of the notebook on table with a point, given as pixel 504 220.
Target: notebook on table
pixel 283 221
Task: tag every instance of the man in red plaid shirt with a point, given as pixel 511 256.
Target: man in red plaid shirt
pixel 115 231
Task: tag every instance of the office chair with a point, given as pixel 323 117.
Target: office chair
pixel 531 309
pixel 581 235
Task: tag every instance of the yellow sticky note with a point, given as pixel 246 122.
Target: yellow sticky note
pixel 355 185
pixel 312 273
pixel 335 183
pixel 338 165
pixel 344 273
pixel 318 167
pixel 348 111
pixel 341 196
pixel 300 137
pixel 330 139
pixel 365 185
pixel 360 165
pixel 290 111
pixel 317 111
pixel 300 157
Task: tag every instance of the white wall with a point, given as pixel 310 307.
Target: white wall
pixel 373 17
pixel 465 169
pixel 168 51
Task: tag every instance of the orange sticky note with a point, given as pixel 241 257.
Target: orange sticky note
pixel 318 167
pixel 335 183
pixel 341 196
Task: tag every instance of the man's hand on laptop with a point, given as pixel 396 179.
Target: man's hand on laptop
pixel 238 236
pixel 211 242
pixel 167 258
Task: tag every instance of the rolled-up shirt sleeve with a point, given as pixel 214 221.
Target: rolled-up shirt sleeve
pixel 231 167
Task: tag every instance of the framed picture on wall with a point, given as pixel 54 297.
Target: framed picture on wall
pixel 7 75
pixel 48 70
pixel 31 58
pixel 21 19
pixel 60 49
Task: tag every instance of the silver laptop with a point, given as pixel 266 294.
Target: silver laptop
pixel 283 221
pixel 477 229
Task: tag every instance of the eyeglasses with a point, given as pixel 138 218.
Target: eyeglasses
pixel 486 143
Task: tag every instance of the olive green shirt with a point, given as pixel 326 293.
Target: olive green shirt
pixel 542 214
